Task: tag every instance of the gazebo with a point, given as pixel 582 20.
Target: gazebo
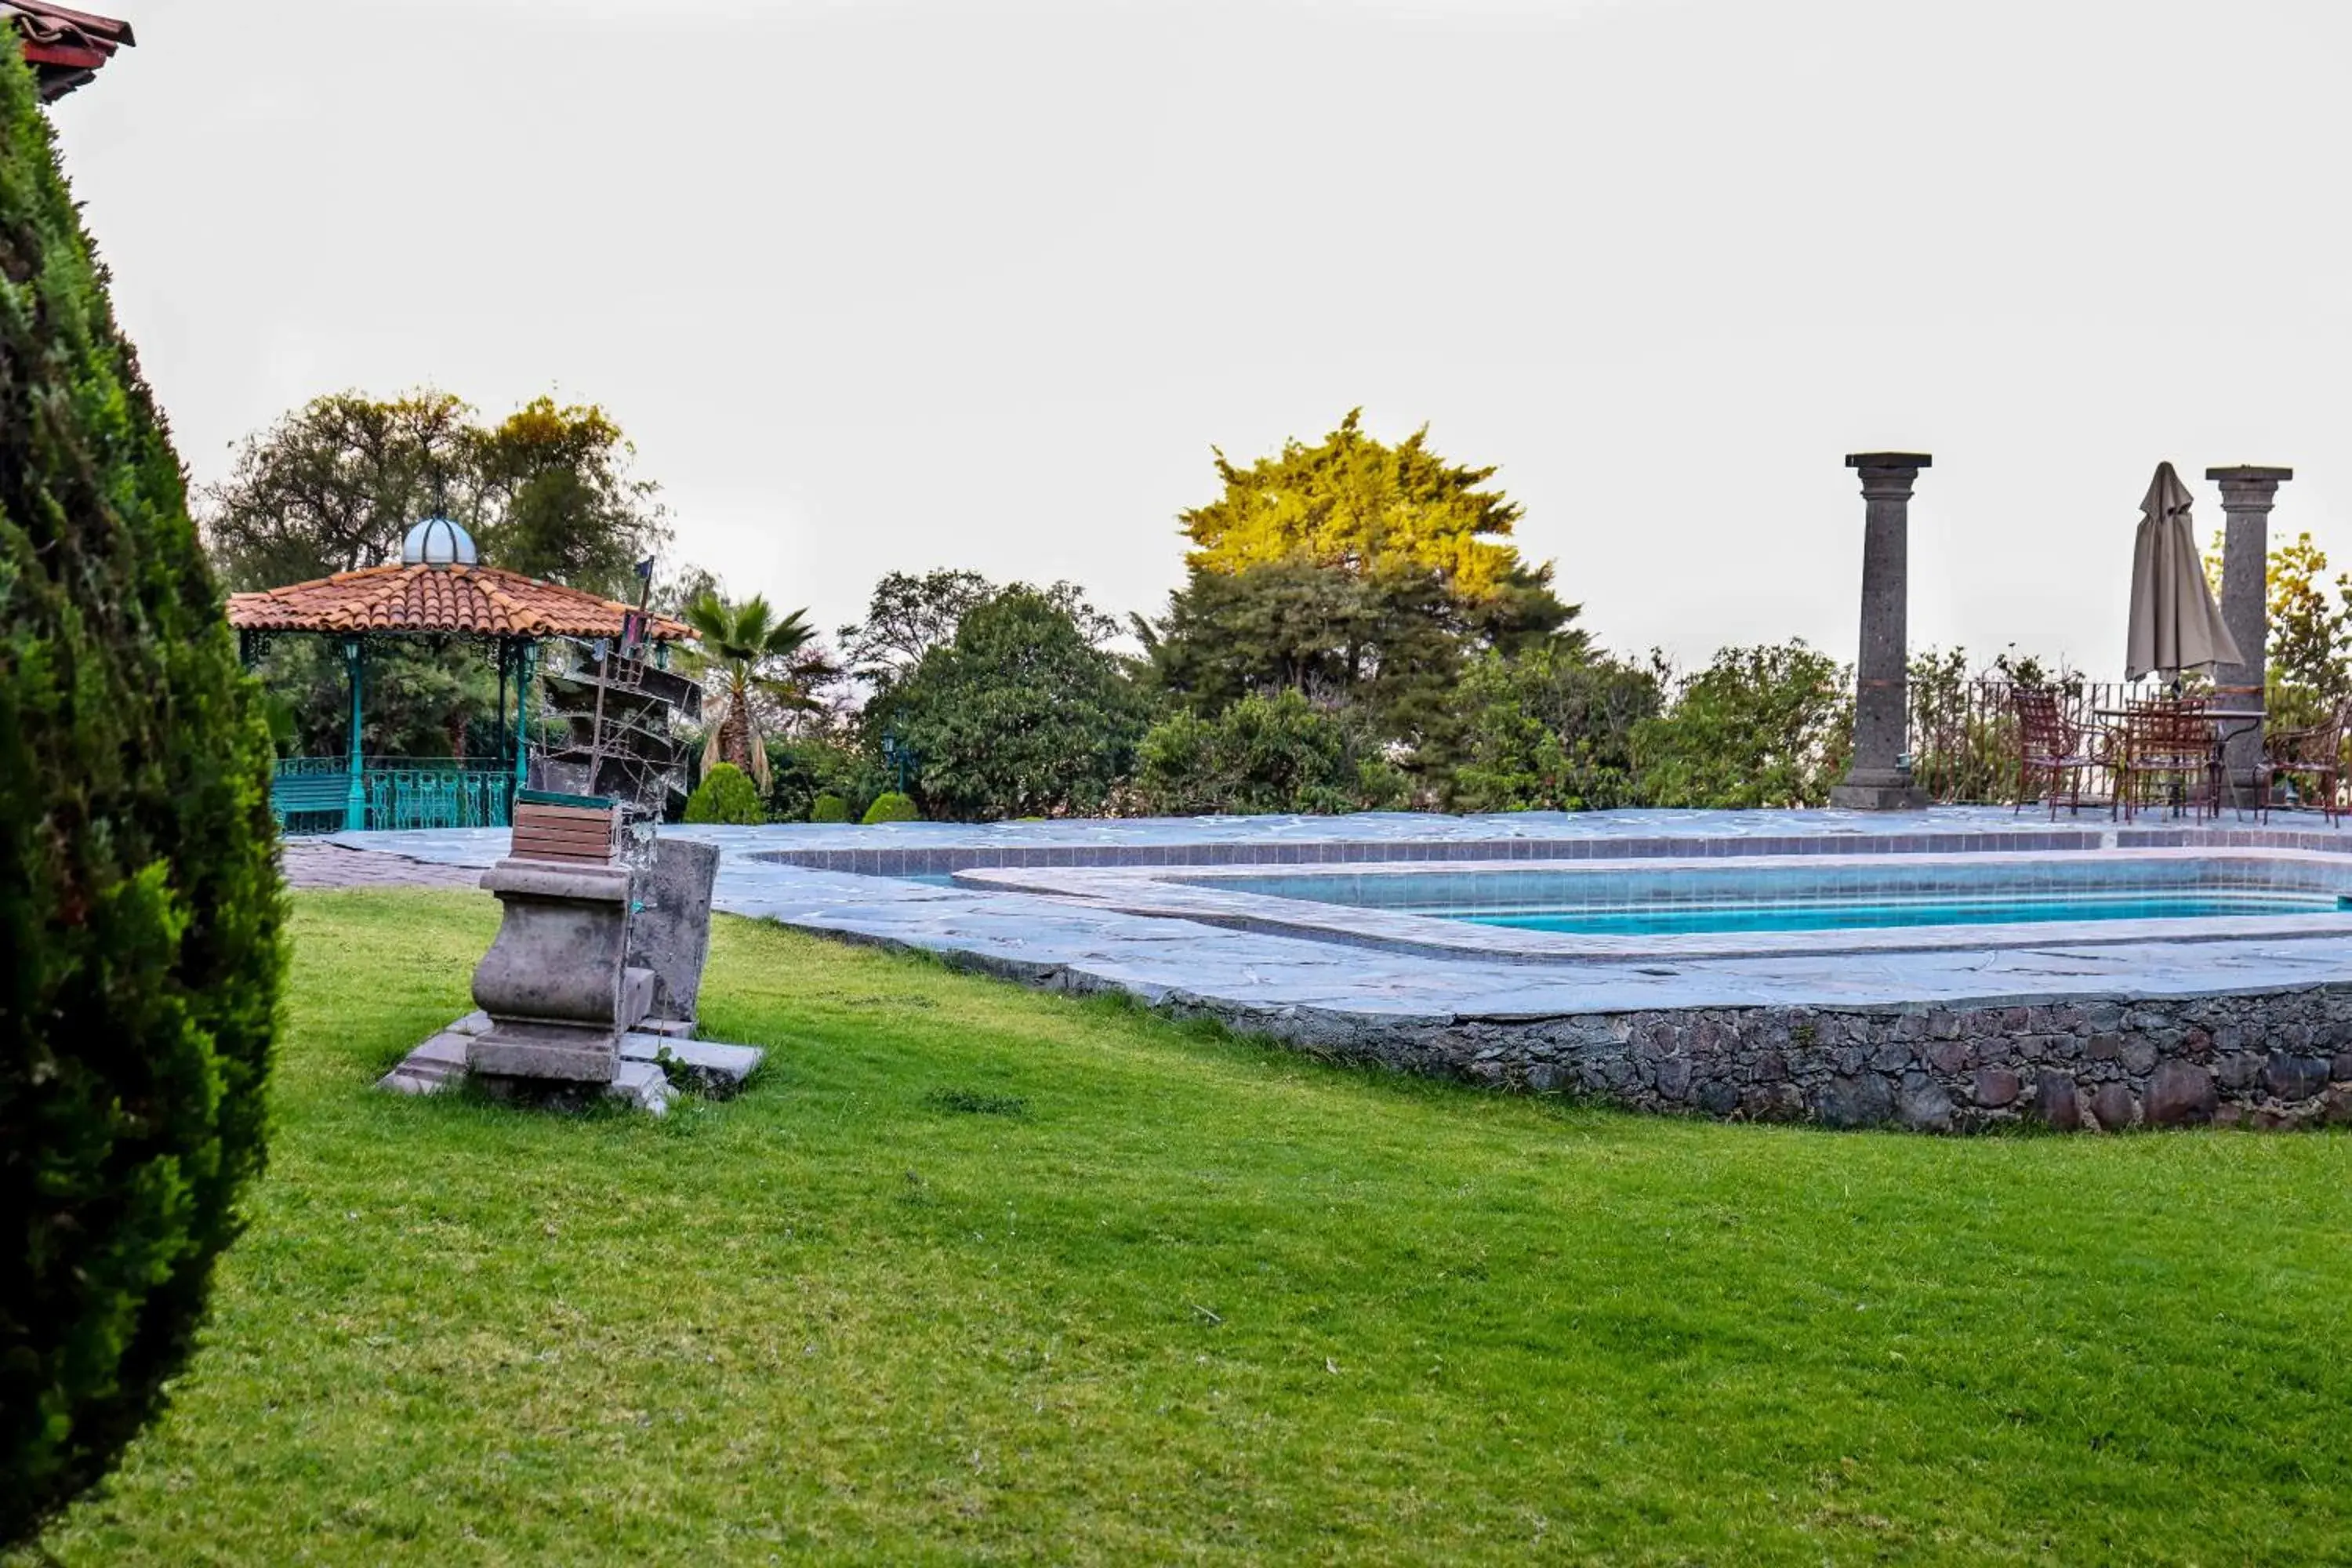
pixel 439 593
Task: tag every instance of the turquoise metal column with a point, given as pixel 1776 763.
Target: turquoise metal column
pixel 526 665
pixel 356 797
pixel 506 657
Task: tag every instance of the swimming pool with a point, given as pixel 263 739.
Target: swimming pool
pixel 1736 906
pixel 1820 895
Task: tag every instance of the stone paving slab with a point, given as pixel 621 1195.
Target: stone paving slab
pixel 323 863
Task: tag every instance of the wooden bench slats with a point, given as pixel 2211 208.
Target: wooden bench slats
pixel 601 833
pixel 586 817
pixel 580 833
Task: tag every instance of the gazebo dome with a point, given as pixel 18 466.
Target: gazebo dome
pixel 437 541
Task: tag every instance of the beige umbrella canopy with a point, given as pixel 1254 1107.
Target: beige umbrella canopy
pixel 2175 623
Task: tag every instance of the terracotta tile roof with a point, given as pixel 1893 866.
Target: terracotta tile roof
pixel 63 48
pixel 481 600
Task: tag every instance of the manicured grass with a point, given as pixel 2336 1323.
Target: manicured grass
pixel 974 1273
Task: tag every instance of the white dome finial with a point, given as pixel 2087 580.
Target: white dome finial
pixel 437 541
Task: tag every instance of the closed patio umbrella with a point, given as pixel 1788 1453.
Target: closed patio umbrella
pixel 2175 623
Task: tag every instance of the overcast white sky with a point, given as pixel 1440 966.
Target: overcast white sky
pixel 962 283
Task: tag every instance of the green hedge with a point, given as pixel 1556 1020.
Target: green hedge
pixel 140 910
pixel 892 806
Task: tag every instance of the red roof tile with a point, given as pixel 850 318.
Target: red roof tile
pixel 63 48
pixel 480 600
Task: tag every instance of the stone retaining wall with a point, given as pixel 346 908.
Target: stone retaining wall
pixel 2279 1060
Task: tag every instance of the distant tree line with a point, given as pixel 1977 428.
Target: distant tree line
pixel 1356 630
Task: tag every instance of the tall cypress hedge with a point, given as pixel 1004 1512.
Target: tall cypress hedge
pixel 139 902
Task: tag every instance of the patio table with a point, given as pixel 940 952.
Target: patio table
pixel 2228 723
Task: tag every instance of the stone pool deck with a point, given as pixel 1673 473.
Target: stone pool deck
pixel 2253 1028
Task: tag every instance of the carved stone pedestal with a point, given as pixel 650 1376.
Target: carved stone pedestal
pixel 556 983
pixel 591 987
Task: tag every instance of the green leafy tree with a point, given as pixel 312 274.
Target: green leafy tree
pixel 2308 660
pixel 1021 715
pixel 2308 638
pixel 140 904
pixel 725 794
pixel 754 665
pixel 1363 506
pixel 1553 730
pixel 1359 574
pixel 1262 754
pixel 559 498
pixel 335 484
pixel 1766 726
pixel 1338 639
pixel 908 616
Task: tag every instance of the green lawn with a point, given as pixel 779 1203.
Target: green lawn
pixel 975 1273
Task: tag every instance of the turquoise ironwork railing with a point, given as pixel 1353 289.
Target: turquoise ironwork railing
pixel 310 793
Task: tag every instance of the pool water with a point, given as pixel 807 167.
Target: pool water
pixel 1669 920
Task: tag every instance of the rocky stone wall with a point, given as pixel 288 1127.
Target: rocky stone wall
pixel 2280 1059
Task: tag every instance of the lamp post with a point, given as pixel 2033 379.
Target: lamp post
pixel 355 791
pixel 898 757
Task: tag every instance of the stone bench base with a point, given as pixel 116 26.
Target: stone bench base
pixel 653 1055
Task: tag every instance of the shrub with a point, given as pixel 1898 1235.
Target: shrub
pixel 829 808
pixel 801 768
pixel 140 905
pixel 1552 729
pixel 892 806
pixel 725 794
pixel 1768 726
pixel 1261 755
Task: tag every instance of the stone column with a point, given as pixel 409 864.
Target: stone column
pixel 1880 778
pixel 2247 497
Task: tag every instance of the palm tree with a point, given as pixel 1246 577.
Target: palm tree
pixel 749 657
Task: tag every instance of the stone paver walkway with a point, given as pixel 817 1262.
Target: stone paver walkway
pixel 322 863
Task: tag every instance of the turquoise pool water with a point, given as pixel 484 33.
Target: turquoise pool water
pixel 1669 919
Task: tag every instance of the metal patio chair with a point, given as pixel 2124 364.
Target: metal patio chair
pixel 2052 748
pixel 2168 741
pixel 2313 751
